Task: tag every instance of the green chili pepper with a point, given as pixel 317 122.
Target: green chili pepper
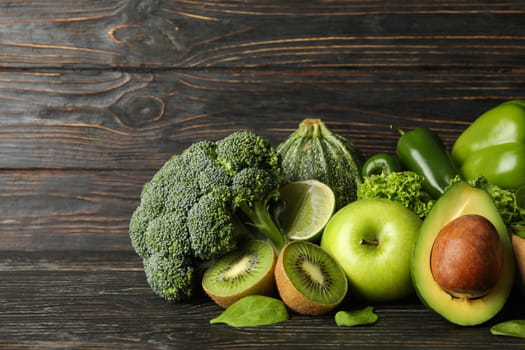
pixel 423 152
pixel 493 146
pixel 381 163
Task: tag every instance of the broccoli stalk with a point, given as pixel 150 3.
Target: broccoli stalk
pixel 199 206
pixel 264 223
pixel 255 190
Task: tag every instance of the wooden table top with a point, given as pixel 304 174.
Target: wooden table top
pixel 96 95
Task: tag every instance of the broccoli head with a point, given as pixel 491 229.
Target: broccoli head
pixel 213 214
pixel 200 205
pixel 172 277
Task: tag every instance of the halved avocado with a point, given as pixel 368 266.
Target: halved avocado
pixel 461 199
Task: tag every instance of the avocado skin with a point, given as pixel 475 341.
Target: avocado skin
pixel 461 199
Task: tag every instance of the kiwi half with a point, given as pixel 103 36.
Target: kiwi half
pixel 246 271
pixel 308 279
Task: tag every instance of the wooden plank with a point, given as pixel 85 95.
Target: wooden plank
pixel 120 120
pixel 96 94
pixel 72 210
pixel 101 300
pixel 142 34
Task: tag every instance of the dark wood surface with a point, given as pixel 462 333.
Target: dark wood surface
pixel 99 299
pixel 96 95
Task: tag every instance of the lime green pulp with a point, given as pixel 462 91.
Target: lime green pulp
pixel 493 146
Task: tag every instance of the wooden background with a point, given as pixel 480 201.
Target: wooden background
pixel 95 95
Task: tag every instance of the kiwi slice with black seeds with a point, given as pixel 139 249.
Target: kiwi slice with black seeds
pixel 246 271
pixel 308 279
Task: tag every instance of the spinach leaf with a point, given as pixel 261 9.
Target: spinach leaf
pixel 253 310
pixel 514 328
pixel 356 317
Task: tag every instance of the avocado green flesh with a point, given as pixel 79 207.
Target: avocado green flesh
pixel 461 199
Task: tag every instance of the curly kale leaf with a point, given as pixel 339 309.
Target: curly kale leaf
pixel 404 187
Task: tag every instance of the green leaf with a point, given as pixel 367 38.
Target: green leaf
pixel 253 310
pixel 519 228
pixel 356 318
pixel 514 328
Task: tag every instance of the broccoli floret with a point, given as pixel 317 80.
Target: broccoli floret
pixel 170 189
pixel 170 276
pixel 201 165
pixel 138 225
pixel 168 235
pixel 213 214
pixel 255 189
pixel 242 150
pixel 200 205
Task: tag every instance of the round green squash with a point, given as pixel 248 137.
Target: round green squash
pixel 315 152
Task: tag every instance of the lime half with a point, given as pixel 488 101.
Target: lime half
pixel 309 204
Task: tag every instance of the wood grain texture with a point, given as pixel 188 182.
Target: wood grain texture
pixel 67 210
pixel 136 121
pixel 95 95
pixel 101 300
pixel 254 34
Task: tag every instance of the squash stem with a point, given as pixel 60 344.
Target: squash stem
pixel 312 127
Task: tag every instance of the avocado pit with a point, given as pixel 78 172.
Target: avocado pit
pixel 467 257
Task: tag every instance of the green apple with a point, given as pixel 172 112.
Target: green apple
pixel 373 239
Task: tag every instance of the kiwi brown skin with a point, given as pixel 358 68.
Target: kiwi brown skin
pixel 264 286
pixel 291 296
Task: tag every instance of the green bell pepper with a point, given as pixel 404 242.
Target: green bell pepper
pixel 380 163
pixel 502 165
pixel 493 146
pixel 423 152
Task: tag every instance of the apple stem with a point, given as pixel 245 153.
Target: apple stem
pixel 368 242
